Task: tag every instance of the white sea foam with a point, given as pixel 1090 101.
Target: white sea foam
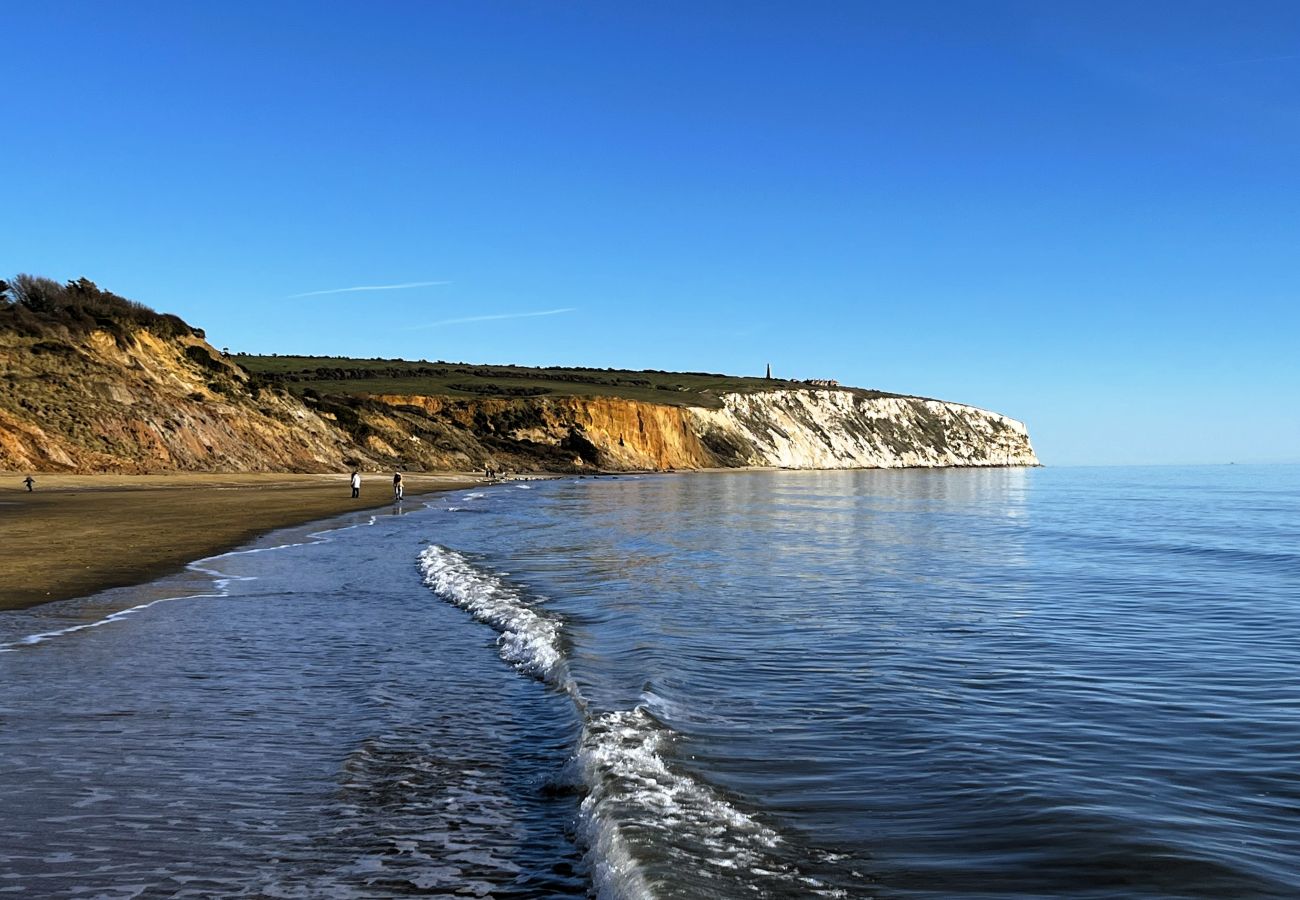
pixel 624 769
pixel 636 797
pixel 528 639
pixel 117 616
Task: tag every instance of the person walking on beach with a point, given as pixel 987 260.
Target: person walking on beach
pixel 29 481
pixel 397 485
pixel 356 485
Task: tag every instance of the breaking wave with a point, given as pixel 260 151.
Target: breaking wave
pixel 643 819
pixel 528 639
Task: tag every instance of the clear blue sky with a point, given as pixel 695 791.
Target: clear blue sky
pixel 1085 215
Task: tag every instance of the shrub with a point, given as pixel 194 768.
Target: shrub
pixel 32 305
pixel 205 359
pixel 499 390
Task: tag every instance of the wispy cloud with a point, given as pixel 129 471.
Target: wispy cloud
pixel 368 287
pixel 496 317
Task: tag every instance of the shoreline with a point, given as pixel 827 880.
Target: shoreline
pixel 77 535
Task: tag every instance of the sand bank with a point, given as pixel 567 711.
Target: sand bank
pixel 77 534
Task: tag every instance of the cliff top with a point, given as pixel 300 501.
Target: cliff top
pixel 341 375
pixel 53 314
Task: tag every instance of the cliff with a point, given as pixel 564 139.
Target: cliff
pixel 799 429
pixel 156 405
pixel 143 403
pixel 839 429
pixel 92 383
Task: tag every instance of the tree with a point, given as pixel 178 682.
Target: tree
pixel 83 287
pixel 38 294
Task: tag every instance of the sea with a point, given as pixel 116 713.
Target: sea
pixel 976 683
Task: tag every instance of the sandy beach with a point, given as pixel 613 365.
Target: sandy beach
pixel 77 534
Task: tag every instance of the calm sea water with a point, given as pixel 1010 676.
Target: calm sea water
pixel 1003 684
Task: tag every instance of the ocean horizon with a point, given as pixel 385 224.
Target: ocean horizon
pixel 1056 682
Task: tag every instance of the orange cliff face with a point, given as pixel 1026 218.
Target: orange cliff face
pixel 599 432
pixel 640 435
pixel 99 403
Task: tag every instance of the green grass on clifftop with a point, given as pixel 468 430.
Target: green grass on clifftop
pixel 34 308
pixel 339 375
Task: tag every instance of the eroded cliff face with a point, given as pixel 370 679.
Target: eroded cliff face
pixel 839 429
pixel 567 433
pixel 99 403
pixel 806 429
pixel 143 403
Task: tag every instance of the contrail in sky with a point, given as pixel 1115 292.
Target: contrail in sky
pixel 368 287
pixel 497 316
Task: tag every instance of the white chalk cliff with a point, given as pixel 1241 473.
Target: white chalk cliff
pixel 839 429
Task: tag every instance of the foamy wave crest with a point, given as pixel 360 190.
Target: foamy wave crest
pixel 646 824
pixel 529 640
pixel 638 805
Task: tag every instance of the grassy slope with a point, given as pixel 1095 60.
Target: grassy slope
pixel 442 379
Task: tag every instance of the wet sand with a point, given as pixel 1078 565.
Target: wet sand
pixel 77 534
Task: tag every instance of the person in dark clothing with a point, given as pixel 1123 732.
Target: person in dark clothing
pixel 397 485
pixel 29 481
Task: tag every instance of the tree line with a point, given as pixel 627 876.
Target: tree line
pixel 40 307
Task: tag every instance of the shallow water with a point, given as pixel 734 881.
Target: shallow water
pixel 321 727
pixel 1005 683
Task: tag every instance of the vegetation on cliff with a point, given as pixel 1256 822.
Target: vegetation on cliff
pixel 33 306
pixel 94 382
pixel 359 377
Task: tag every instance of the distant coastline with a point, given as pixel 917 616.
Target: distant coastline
pixel 102 384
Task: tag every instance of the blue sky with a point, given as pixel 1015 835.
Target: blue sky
pixel 1083 215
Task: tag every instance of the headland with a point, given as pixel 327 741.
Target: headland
pixel 151 448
